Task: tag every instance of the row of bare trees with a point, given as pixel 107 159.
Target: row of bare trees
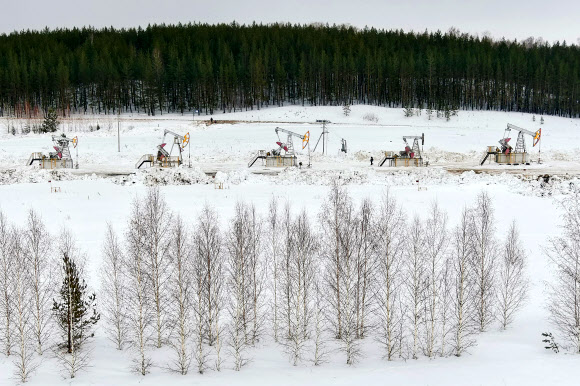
pixel 418 286
pixel 26 274
pixel 191 288
pixel 30 313
pixel 564 290
pixel 316 285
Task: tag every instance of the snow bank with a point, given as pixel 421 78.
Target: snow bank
pixel 25 175
pixel 178 176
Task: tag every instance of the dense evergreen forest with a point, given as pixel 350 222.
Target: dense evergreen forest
pixel 223 67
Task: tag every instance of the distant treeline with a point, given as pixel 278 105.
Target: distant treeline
pixel 223 67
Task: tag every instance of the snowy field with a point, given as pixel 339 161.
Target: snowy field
pixel 87 202
pixel 514 357
pixel 368 130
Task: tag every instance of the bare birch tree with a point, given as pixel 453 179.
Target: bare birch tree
pixel 564 289
pixel 512 284
pixel 463 320
pixel 256 272
pixel 436 242
pixel 402 346
pixel 416 278
pixel 37 245
pixel 157 223
pixel 210 257
pixel 300 280
pixel 445 305
pixel 114 289
pixel 7 289
pixel 139 313
pixel 347 282
pixel 273 261
pixel 339 240
pixel 239 286
pixel 390 233
pixel 285 273
pixel 306 245
pixel 331 228
pixel 185 306
pixel 484 260
pixel 320 351
pixel 366 264
pixel 22 315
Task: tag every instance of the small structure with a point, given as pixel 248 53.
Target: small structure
pixel 324 137
pixel 411 156
pixel 343 146
pixel 164 158
pixel 61 158
pixel 506 154
pixel 284 155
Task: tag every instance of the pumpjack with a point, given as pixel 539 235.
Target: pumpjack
pixel 506 154
pixel 164 157
pixel 411 156
pixel 60 158
pixel 284 154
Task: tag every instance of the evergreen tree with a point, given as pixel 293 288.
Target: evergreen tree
pixel 50 123
pixel 75 310
pixel 207 67
pixel 346 109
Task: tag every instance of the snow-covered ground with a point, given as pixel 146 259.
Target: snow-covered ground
pixel 514 357
pixel 369 130
pixel 86 202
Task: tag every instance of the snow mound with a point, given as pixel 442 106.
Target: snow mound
pixel 179 176
pixel 26 175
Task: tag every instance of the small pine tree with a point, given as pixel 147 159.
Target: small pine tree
pixel 346 109
pixel 50 123
pixel 534 118
pixel 542 120
pixel 550 342
pixel 447 112
pixel 408 111
pixel 429 113
pixel 75 311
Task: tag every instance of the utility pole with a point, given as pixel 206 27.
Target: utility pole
pixel 309 159
pixel 119 131
pixel 324 135
pixel 189 144
pixel 324 138
pixel 540 151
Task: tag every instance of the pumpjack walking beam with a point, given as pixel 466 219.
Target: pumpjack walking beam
pixel 505 154
pixel 289 145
